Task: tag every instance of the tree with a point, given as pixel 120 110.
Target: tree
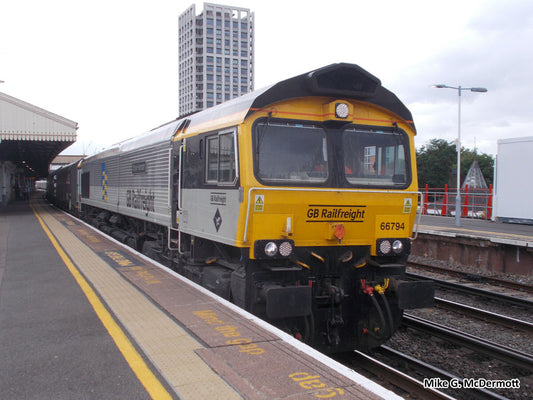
pixel 437 164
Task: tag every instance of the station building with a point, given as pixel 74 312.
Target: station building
pixel 30 138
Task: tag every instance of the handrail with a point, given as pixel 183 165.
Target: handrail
pixel 179 177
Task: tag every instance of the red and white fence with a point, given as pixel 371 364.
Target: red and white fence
pixel 475 203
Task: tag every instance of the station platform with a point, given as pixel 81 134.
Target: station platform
pixel 481 246
pixel 82 316
pixel 497 232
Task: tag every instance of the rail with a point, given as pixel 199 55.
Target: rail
pixel 361 361
pixel 470 290
pixel 475 203
pixel 414 365
pixel 506 354
pixel 521 287
pixel 484 315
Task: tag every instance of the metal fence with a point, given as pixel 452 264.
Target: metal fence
pixel 475 203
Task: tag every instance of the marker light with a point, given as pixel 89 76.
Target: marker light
pixel 285 249
pixel 342 110
pixel 385 247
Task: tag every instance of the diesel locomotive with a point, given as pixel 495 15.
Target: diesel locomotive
pixel 297 202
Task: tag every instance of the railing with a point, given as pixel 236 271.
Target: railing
pixel 475 203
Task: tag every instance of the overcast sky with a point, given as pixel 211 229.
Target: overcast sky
pixel 112 65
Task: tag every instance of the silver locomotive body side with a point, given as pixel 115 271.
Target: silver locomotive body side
pixel 132 179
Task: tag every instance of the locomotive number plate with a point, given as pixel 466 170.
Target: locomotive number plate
pixel 392 224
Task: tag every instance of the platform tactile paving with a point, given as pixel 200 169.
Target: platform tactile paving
pixel 166 344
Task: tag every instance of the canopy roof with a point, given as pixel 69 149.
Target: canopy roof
pixel 31 137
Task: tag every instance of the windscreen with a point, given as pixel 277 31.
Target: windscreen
pixel 291 153
pixel 375 158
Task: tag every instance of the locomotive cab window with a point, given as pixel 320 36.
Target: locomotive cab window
pixel 220 160
pixel 375 158
pixel 290 153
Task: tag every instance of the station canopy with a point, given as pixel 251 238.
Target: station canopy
pixel 31 137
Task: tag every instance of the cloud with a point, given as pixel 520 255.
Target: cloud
pixel 492 52
pixel 113 66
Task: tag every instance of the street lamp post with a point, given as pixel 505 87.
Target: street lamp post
pixel 458 196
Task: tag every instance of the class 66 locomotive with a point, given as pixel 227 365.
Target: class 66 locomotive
pixel 297 202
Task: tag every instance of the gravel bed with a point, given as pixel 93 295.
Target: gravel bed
pixel 513 338
pixel 465 363
pixel 524 279
pixel 486 304
pixel 461 362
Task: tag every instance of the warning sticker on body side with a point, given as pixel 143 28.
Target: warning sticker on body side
pixel 407 205
pixel 259 204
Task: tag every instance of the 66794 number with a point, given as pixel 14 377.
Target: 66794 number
pixel 392 226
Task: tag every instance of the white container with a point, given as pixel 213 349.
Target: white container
pixel 513 200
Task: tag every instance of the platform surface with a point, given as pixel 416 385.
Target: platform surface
pixel 83 317
pixel 518 234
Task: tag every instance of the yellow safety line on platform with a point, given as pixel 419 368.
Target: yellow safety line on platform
pixel 152 385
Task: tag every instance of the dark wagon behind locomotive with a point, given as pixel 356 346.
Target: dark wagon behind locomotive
pixel 296 202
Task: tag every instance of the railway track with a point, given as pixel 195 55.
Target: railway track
pixel 424 372
pixel 410 376
pixel 478 292
pixel 510 356
pixel 388 376
pixel 423 379
pixel 422 345
pixel 473 277
pixel 491 312
pixel 484 315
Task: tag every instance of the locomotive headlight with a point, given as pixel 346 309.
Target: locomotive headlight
pixel 397 246
pixel 271 249
pixel 342 110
